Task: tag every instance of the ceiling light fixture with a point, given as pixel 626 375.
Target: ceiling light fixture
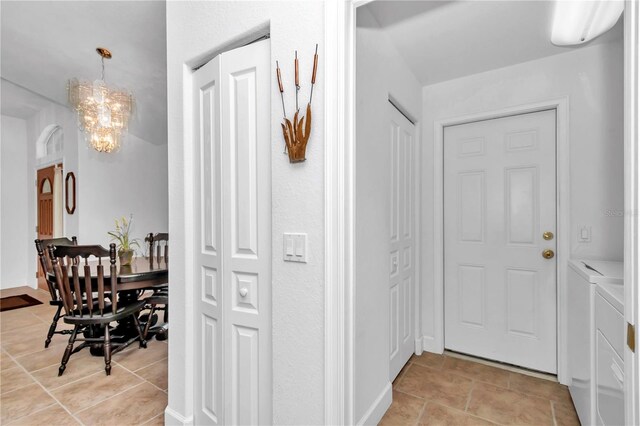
pixel 103 111
pixel 577 22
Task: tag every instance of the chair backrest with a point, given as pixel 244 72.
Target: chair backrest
pixel 45 260
pixel 68 278
pixel 160 244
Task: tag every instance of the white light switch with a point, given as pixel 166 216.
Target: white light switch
pixel 295 248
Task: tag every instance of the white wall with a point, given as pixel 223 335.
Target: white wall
pixel 297 200
pixel 131 181
pixel 380 72
pixel 591 78
pixel 14 235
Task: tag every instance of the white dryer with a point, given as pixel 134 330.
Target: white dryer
pixel 583 276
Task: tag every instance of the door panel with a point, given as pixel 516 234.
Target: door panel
pixel 500 197
pixel 233 223
pixel 207 224
pixel 401 341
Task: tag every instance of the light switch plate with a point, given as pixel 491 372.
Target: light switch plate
pixel 295 248
pixel 584 234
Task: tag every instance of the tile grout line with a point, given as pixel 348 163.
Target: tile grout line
pixel 111 397
pixel 139 376
pixel 466 406
pixel 152 418
pixel 421 413
pixel 553 413
pixel 46 391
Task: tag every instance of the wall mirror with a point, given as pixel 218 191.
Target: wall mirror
pixel 70 192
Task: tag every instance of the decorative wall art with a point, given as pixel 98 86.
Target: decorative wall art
pixel 296 134
pixel 70 193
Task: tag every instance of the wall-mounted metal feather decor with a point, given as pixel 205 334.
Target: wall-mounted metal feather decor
pixel 296 134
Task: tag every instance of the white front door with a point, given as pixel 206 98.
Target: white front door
pixel 232 222
pixel 401 142
pixel 499 200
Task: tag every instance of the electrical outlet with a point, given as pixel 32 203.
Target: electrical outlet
pixel 584 234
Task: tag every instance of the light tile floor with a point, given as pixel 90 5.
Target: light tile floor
pixel 446 390
pixel 31 393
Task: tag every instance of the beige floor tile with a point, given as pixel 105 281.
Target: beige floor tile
pixel 19 335
pixel 43 358
pixel 565 416
pixel 6 362
pixel 438 386
pixel 80 365
pixel 429 359
pixel 135 406
pixel 509 407
pixel 477 371
pixel 156 421
pixel 13 378
pixel 84 393
pixel 405 410
pixel 35 343
pixel 10 324
pixel 439 415
pixel 134 358
pixel 156 373
pixel 54 415
pixel 22 402
pixel 539 387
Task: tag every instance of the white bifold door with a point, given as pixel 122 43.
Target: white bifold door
pixel 499 227
pixel 232 223
pixel 401 241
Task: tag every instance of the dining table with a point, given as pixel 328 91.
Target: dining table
pixel 144 273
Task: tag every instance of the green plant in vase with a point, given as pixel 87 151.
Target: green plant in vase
pixel 126 244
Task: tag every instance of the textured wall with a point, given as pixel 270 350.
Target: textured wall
pixel 380 72
pixel 591 77
pixel 14 231
pixel 297 198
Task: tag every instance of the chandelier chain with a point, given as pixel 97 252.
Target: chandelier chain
pixel 102 61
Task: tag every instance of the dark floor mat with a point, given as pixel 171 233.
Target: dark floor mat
pixel 17 302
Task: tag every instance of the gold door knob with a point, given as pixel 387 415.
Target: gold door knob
pixel 548 254
pixel 548 235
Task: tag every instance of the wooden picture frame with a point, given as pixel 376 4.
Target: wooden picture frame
pixel 70 192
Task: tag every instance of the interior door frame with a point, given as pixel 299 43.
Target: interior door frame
pixel 563 230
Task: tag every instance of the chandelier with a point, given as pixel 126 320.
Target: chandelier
pixel 103 111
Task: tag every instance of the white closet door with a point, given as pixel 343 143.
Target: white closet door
pixel 499 200
pixel 233 241
pixel 401 243
pixel 246 234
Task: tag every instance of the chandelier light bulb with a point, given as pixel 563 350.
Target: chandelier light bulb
pixel 103 111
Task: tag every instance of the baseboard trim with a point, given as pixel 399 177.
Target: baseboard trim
pixel 418 347
pixel 380 406
pixel 173 418
pixel 429 344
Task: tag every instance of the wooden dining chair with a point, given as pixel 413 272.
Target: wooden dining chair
pixel 159 300
pixel 45 263
pixel 82 311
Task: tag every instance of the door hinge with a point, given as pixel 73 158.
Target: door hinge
pixel 631 337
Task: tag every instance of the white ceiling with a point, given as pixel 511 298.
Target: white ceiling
pixel 443 40
pixel 19 102
pixel 45 43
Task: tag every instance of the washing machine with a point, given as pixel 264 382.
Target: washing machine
pixel 609 354
pixel 583 277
